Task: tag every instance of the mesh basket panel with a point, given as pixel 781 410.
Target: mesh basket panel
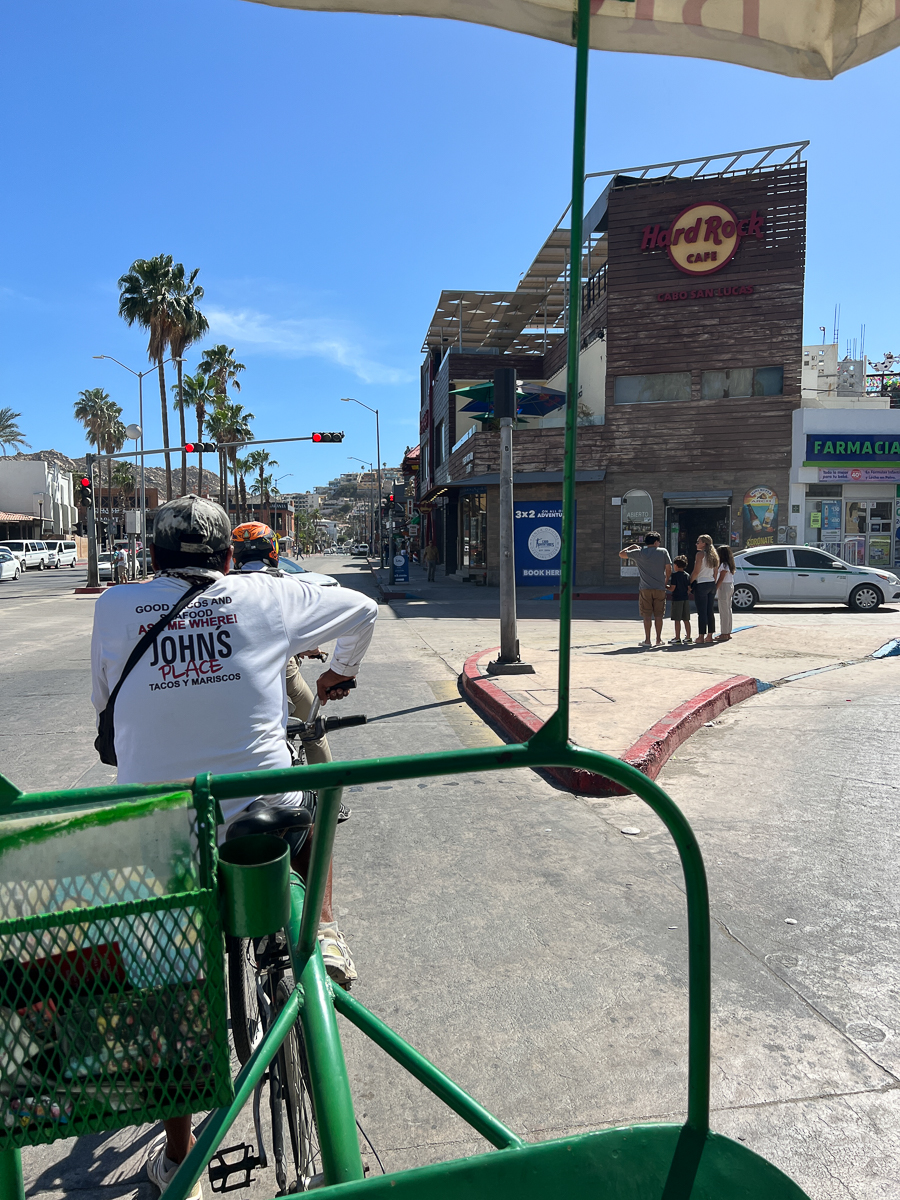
pixel 112 994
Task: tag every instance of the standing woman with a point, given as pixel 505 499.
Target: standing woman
pixel 724 591
pixel 703 581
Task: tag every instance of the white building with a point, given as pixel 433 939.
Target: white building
pixel 829 382
pixel 845 482
pixel 42 489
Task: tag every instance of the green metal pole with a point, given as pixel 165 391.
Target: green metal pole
pixel 12 1185
pixel 559 722
pixel 426 1072
pixel 332 1100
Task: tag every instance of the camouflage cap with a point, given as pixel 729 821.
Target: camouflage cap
pixel 192 525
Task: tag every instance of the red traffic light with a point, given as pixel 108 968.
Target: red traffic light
pixel 317 437
pixel 189 447
pixel 86 483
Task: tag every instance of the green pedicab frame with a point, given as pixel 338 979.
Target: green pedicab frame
pixel 641 1162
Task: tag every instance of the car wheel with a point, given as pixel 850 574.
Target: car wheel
pixel 865 598
pixel 72 564
pixel 16 576
pixel 744 597
pixel 41 565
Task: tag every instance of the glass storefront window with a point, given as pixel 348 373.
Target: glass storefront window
pixel 473 529
pixel 637 519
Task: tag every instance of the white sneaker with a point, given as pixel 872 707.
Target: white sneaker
pixel 336 954
pixel 161 1170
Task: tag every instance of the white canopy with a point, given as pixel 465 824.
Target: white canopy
pixel 810 39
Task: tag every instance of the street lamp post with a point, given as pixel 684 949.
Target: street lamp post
pixel 140 378
pixel 353 400
pixel 365 462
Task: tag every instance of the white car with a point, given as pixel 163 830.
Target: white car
pixel 360 550
pixel 31 554
pixel 105 566
pixel 66 553
pixel 293 568
pixel 9 564
pixel 807 575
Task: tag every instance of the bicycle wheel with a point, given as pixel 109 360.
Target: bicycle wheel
pixel 246 1019
pixel 296 1095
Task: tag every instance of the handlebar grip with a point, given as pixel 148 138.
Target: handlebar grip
pixel 344 722
pixel 346 686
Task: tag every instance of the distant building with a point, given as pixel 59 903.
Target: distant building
pixel 37 497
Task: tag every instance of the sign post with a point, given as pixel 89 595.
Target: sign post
pixel 508 662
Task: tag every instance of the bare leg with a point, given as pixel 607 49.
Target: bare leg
pixel 648 621
pixel 179 1138
pixel 659 624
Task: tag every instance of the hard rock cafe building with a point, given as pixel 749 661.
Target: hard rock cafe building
pixel 690 372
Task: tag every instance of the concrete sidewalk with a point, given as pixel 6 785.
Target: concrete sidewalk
pixel 636 703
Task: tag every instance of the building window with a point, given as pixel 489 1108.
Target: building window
pixel 438 444
pixel 651 389
pixel 742 381
pixel 473 523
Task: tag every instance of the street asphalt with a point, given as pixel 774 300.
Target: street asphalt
pixel 536 952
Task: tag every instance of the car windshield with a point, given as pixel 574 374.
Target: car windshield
pixel 291 568
pixel 104 557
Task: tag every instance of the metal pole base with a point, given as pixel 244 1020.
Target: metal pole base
pixel 499 667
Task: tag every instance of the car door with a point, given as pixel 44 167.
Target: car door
pixel 769 573
pixel 818 577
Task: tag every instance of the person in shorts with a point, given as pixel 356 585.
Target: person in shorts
pixel 654 567
pixel 680 603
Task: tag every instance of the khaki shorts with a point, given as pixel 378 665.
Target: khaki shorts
pixel 652 602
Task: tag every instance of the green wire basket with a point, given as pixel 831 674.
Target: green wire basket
pixel 112 993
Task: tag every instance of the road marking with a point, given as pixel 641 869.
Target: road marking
pixel 463 720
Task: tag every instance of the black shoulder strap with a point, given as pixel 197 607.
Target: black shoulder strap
pixel 150 635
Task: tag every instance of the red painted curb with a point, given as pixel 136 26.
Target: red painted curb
pixel 648 753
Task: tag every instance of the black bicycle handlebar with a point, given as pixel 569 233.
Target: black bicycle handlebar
pixel 344 722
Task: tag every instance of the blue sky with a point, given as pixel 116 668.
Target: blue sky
pixel 329 174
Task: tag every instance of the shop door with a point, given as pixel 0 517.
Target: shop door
pixel 868 532
pixel 684 526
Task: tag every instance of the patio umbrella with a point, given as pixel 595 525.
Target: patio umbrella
pixel 809 39
pixel 532 400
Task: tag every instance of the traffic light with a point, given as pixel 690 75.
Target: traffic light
pixel 200 447
pixel 86 492
pixel 327 437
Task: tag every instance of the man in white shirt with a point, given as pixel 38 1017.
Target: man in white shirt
pixel 209 694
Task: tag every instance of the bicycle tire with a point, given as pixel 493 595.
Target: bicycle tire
pixel 296 1095
pixel 246 1020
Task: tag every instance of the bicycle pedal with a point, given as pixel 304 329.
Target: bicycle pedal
pixel 220 1168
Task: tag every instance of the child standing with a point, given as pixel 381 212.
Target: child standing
pixel 681 605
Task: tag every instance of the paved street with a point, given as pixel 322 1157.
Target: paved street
pixel 520 939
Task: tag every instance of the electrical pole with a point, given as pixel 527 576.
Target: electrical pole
pixel 508 661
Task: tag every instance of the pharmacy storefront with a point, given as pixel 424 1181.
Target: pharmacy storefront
pixel 845 483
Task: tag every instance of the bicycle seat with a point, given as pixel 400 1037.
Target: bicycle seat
pixel 269 819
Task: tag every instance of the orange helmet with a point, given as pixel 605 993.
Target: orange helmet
pixel 255 542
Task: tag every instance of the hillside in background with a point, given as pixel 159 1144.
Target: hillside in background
pixel 153 476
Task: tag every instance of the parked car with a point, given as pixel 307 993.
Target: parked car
pixel 66 553
pixel 9 564
pixel 360 550
pixel 293 568
pixel 807 575
pixel 105 565
pixel 31 554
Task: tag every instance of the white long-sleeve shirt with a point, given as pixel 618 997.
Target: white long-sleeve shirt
pixel 210 694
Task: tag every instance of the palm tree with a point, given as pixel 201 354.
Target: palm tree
pixel 198 393
pixel 217 428
pixel 100 417
pixel 148 297
pixel 188 325
pixel 10 433
pixel 241 468
pixel 258 460
pixel 237 429
pixel 219 364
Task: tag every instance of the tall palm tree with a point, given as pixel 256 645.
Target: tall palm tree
pixel 101 418
pixel 10 433
pixel 237 428
pixel 188 325
pixel 219 364
pixel 147 297
pixel 241 467
pixel 217 428
pixel 258 460
pixel 198 392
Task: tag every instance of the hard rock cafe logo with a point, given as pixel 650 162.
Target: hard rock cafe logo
pixel 703 238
